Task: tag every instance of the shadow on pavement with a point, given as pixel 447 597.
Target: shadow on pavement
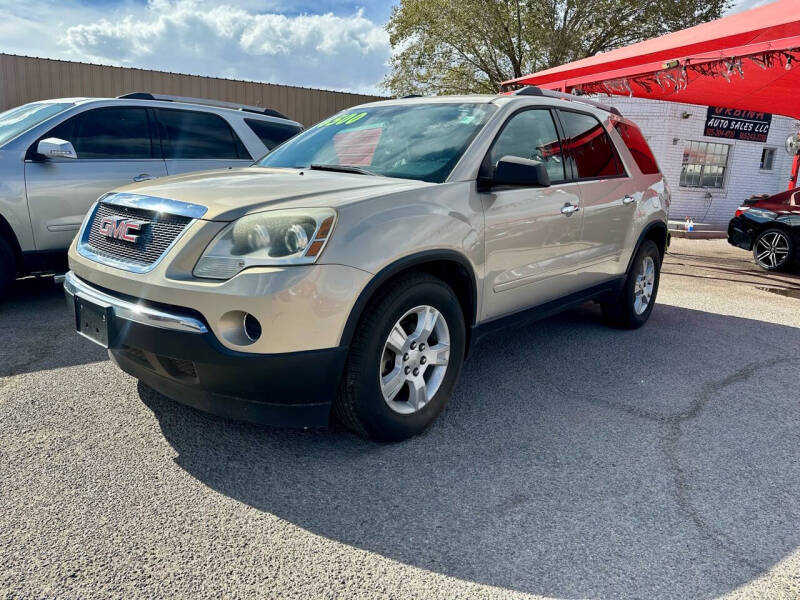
pixel 37 332
pixel 573 461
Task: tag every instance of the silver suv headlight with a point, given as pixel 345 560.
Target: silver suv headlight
pixel 294 236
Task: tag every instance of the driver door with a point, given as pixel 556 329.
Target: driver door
pixel 533 234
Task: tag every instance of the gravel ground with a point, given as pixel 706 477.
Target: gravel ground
pixel 574 461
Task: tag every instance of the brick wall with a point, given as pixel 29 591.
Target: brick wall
pixel 667 131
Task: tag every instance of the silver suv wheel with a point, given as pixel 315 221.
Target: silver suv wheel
pixel 643 287
pixel 415 358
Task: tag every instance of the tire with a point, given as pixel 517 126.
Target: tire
pixel 378 398
pixel 627 308
pixel 8 267
pixel 773 250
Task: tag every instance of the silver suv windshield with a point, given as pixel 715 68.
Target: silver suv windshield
pixel 411 141
pixel 22 118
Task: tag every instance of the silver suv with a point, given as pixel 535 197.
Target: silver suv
pixel 58 156
pixel 349 271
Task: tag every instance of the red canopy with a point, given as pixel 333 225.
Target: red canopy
pixel 748 61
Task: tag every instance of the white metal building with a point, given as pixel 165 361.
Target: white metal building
pixel 709 176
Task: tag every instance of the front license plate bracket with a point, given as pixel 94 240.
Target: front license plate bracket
pixel 93 320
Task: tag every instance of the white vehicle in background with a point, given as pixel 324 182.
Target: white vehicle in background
pixel 58 156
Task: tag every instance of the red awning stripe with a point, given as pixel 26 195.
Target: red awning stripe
pixel 737 62
pixel 786 44
pixel 770 22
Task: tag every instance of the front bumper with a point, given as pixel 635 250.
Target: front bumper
pixel 174 352
pixel 300 307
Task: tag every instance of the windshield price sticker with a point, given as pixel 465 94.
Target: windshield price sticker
pixel 345 119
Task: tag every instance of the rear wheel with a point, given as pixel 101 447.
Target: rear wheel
pixel 773 250
pixel 404 361
pixel 631 306
pixel 8 267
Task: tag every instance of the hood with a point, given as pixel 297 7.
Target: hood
pixel 231 193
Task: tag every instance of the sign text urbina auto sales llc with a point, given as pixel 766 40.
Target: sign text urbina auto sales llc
pixel 735 124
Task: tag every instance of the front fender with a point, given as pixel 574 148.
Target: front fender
pixel 375 233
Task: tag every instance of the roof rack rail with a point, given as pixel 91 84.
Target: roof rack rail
pixel 532 90
pixel 528 90
pixel 270 112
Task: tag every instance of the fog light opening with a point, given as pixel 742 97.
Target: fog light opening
pixel 252 327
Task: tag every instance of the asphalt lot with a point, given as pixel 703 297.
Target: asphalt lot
pixel 574 461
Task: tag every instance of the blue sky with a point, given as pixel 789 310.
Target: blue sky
pixel 335 44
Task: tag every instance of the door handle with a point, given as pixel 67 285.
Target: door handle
pixel 568 209
pixel 143 177
pixel 628 199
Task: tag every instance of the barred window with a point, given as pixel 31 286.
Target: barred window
pixel 704 165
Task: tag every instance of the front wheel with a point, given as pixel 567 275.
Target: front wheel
pixel 631 306
pixel 404 361
pixel 773 250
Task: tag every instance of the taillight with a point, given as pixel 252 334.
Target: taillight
pixel 741 209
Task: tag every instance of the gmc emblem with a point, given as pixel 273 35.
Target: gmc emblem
pixel 122 228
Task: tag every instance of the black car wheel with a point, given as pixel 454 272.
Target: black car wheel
pixel 773 249
pixel 631 306
pixel 404 360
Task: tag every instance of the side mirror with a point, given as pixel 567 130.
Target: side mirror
pixel 512 170
pixel 56 148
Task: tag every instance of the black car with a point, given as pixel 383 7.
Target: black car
pixel 772 233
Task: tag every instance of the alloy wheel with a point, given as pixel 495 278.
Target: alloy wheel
pixel 772 249
pixel 414 360
pixel 643 286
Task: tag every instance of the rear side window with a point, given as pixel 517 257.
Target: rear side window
pixel 187 134
pixel 590 146
pixel 638 147
pixel 108 133
pixel 272 134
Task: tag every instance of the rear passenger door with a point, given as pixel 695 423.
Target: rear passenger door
pixel 198 141
pixel 114 147
pixel 608 196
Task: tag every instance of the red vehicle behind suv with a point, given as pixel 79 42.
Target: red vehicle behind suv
pixel 788 201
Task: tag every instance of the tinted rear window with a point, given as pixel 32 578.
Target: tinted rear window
pixel 591 147
pixel 638 147
pixel 272 134
pixel 187 134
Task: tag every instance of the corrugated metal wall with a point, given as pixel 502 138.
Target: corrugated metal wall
pixel 24 79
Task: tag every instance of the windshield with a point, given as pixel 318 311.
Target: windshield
pixel 18 120
pixel 411 141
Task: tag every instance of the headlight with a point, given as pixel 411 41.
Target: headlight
pixel 273 238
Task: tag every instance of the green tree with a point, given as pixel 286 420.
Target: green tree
pixel 471 46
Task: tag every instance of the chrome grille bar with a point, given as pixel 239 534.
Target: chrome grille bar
pixel 164 222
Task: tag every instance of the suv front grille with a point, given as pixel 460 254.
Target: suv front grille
pixel 161 231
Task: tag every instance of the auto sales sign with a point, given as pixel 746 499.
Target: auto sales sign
pixel 735 124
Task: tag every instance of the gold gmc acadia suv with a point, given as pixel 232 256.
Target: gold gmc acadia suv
pixel 347 272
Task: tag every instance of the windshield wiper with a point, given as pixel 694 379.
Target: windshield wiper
pixel 341 169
